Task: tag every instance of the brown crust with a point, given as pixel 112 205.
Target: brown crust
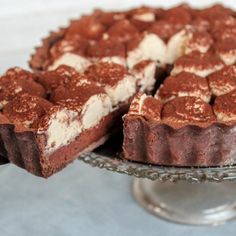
pixel 187 146
pixel 39 59
pixel 3 151
pixel 3 160
pixel 11 144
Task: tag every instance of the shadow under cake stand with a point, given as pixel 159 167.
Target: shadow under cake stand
pixel 196 196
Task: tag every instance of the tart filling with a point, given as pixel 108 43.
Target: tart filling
pixel 145 74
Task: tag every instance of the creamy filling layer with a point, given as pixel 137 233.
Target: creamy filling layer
pixel 151 47
pixel 122 91
pixel 146 77
pixel 65 125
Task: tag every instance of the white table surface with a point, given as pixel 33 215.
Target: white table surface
pixel 79 200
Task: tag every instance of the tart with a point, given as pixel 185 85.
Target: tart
pixel 177 66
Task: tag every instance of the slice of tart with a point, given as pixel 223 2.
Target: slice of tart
pixel 43 136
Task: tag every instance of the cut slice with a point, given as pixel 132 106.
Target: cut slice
pixel 44 136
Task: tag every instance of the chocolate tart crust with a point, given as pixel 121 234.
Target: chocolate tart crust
pixel 155 143
pixel 39 59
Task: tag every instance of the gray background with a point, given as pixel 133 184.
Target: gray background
pixel 80 200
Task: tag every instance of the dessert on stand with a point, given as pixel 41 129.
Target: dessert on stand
pixel 148 92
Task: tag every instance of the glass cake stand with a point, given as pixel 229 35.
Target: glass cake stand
pixel 195 196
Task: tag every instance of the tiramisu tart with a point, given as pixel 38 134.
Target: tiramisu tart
pixel 175 66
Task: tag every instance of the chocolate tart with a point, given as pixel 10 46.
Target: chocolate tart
pixel 181 60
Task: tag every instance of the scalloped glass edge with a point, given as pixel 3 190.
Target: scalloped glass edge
pixel 162 173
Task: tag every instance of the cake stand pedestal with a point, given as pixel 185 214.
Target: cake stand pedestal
pixel 187 203
pixel 196 196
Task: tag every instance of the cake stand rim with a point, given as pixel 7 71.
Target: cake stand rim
pixel 162 173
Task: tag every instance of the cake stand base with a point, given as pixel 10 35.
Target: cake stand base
pixel 187 203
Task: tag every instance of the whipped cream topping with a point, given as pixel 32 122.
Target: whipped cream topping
pixel 63 127
pixel 115 79
pixel 113 59
pixel 186 41
pixel 224 107
pixel 145 17
pixel 145 72
pixel 187 110
pixel 123 90
pixel 151 47
pixel 184 85
pixel 95 109
pixel 201 64
pixel 229 58
pixel 226 48
pixel 154 48
pixel 137 104
pixel 78 62
pixel 197 93
pixel 197 71
pixel 225 117
pixel 223 81
pixel 17 81
pixel 26 109
pixel 146 106
pixel 176 46
pixel 3 103
pixel 65 124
